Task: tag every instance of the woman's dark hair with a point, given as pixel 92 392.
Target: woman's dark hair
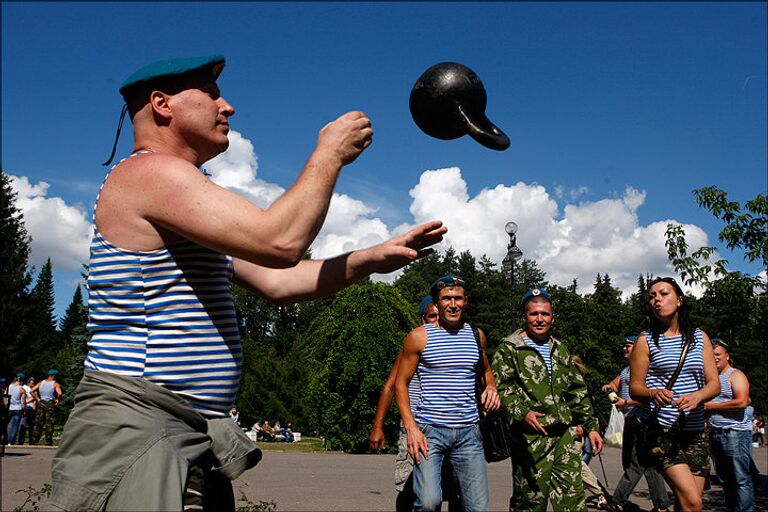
pixel 683 317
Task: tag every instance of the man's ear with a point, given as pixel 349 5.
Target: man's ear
pixel 161 107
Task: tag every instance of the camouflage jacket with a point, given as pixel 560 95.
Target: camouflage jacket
pixel 523 384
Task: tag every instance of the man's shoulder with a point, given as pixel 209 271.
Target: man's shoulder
pixel 512 342
pixel 153 168
pixel 738 374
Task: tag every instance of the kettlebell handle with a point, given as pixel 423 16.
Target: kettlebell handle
pixel 480 128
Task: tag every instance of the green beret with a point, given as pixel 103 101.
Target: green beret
pixel 426 301
pixel 449 280
pixel 174 67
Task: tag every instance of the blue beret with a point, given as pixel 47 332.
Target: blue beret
pixel 20 375
pixel 174 67
pixel 631 340
pixel 536 292
pixel 426 301
pixel 53 372
pixel 449 280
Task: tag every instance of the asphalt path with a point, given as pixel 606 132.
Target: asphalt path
pixel 331 481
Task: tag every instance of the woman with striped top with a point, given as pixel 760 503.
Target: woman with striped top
pixel 679 411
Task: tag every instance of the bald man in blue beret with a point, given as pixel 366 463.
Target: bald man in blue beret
pixel 150 429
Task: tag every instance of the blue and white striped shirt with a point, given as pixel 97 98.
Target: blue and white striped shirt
pixel 544 351
pixel 735 420
pixel 446 373
pixel 625 376
pixel 663 361
pixel 166 315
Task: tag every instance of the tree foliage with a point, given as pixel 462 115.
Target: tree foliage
pixel 321 364
pixel 352 345
pixel 15 277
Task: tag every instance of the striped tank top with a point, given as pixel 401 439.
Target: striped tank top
pixel 663 361
pixel 166 315
pixel 543 350
pixel 446 372
pixel 625 376
pixel 414 392
pixel 735 420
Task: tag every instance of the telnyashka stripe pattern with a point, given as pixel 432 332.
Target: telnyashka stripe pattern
pixel 736 420
pixel 446 374
pixel 166 315
pixel 625 377
pixel 663 361
pixel 544 351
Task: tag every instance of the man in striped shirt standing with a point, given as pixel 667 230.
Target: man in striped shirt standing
pixel 730 432
pixel 445 357
pixel 545 398
pixel 150 429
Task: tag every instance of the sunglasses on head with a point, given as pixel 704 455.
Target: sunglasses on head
pixel 718 341
pixel 456 281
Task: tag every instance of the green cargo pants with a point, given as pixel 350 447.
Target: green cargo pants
pixel 550 471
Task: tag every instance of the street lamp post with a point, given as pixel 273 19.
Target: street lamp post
pixel 513 254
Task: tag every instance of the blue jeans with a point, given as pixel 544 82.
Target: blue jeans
pixel 14 420
pixel 464 447
pixel 732 452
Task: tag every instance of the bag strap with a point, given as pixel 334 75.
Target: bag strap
pixel 683 355
pixel 479 370
pixel 676 373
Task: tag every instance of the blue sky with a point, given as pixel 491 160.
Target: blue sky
pixel 616 111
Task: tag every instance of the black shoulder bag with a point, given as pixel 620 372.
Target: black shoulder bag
pixel 493 425
pixel 651 434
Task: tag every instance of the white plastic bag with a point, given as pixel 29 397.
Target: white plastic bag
pixel 615 432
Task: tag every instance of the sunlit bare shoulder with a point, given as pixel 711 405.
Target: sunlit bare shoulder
pixel 137 188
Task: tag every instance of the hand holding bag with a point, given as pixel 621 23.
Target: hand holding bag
pixel 652 436
pixel 615 432
pixel 493 425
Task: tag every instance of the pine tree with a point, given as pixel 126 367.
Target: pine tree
pixel 40 333
pixel 14 276
pixel 76 315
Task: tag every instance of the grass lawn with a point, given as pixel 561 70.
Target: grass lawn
pixel 307 444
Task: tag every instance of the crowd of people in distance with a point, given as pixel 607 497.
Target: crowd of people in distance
pixel 265 432
pixel 274 432
pixel 29 408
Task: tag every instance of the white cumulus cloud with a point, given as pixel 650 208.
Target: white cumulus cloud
pixel 602 236
pixel 567 240
pixel 59 231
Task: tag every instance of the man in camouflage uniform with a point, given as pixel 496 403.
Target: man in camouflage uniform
pixel 48 395
pixel 545 398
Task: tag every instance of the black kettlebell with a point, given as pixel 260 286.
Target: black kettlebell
pixel 448 101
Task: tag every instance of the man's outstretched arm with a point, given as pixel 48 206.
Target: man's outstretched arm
pixel 313 279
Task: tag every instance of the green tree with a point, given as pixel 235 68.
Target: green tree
pixel 40 322
pixel 746 226
pixel 15 277
pixel 76 315
pixel 71 357
pixel 352 345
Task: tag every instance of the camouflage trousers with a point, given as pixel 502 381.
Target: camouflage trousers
pixel 550 470
pixel 45 418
